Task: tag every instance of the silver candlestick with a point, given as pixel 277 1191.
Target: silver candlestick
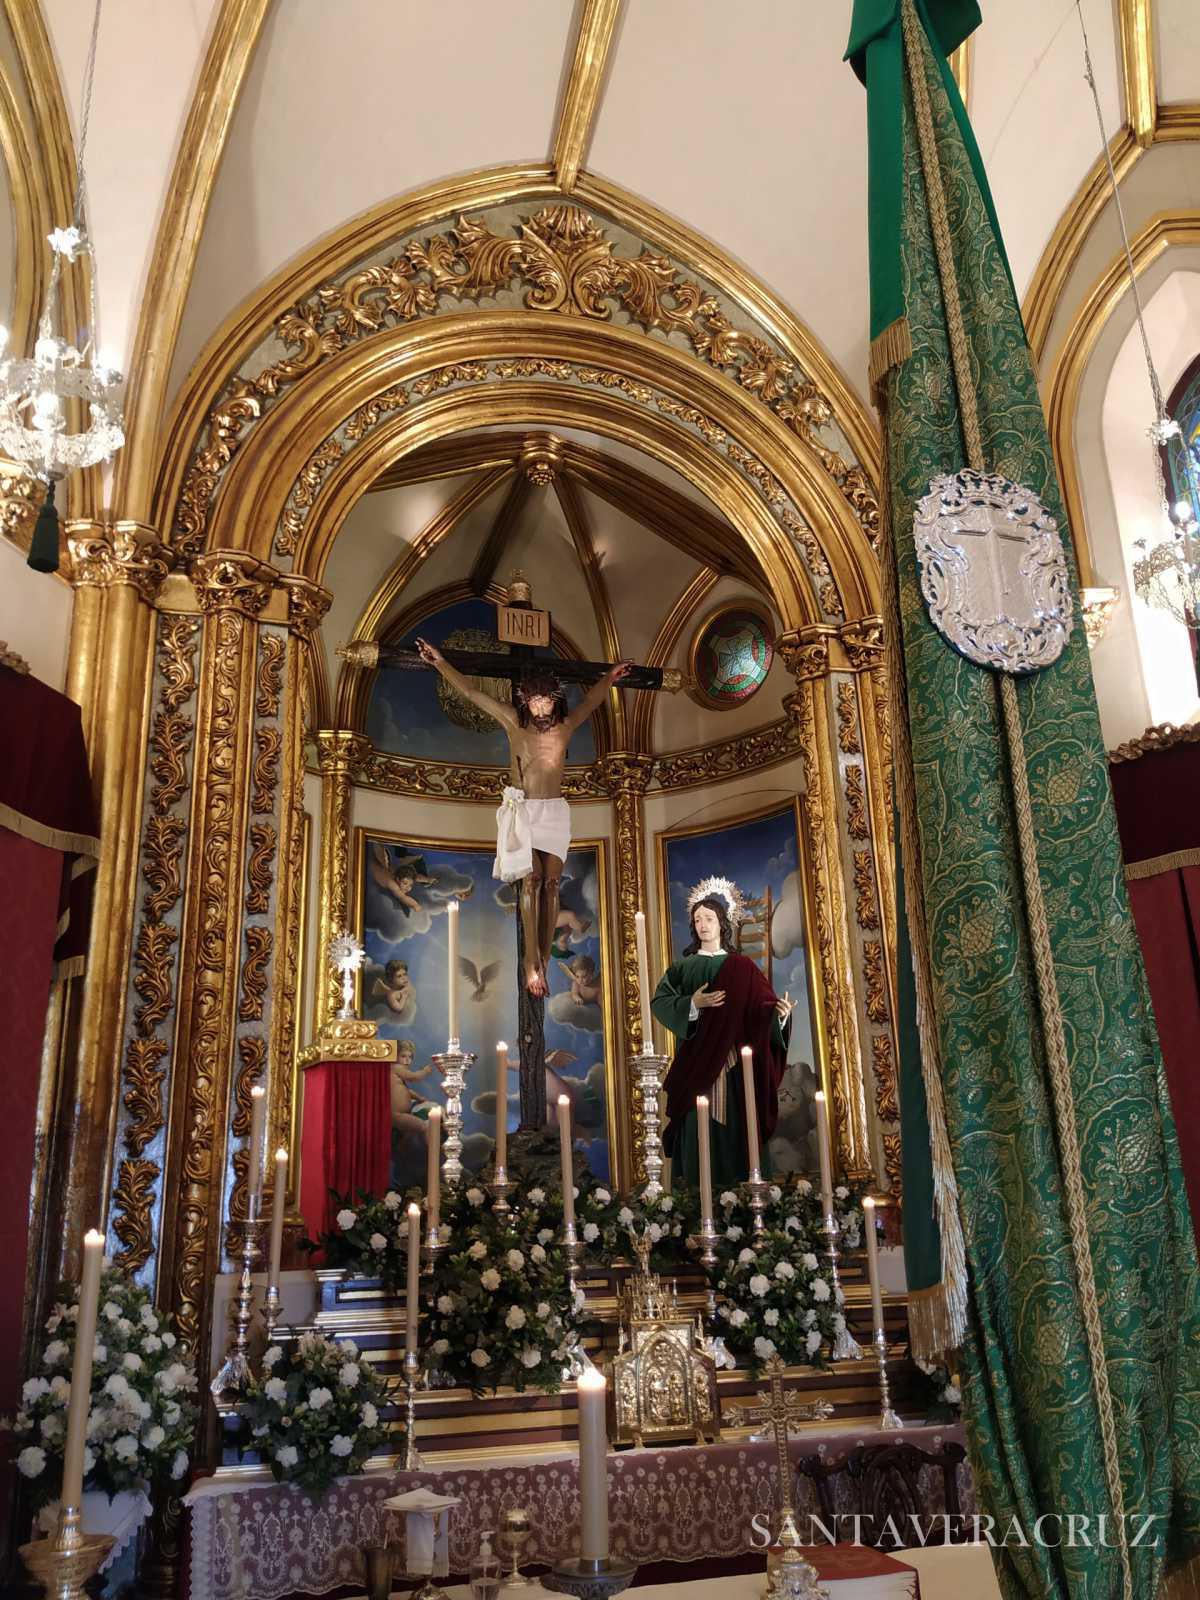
pixel 649 1071
pixel 231 1381
pixel 436 1240
pixel 759 1188
pixel 706 1238
pixel 500 1188
pixel 888 1419
pixel 271 1308
pixel 845 1346
pixel 573 1250
pixel 453 1067
pixel 410 1457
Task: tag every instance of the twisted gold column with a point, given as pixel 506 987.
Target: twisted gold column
pixel 626 777
pixel 339 753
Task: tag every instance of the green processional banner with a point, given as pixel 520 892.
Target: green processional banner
pixel 1054 1246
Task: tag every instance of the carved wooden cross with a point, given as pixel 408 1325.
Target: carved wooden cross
pixel 782 1411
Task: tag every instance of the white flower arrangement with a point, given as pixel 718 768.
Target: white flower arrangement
pixel 140 1420
pixel 775 1302
pixel 316 1416
pixel 369 1238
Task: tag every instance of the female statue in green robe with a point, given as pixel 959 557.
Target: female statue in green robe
pixel 714 1001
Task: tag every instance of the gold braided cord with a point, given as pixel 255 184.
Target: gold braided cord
pixel 938 1318
pixel 1043 956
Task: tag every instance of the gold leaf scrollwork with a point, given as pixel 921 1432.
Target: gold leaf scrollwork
pixel 863 642
pixel 886 1101
pixel 133 1200
pixel 143 1092
pixel 152 974
pixel 265 775
pixel 300 501
pixel 876 981
pixel 232 580
pixel 892 1161
pixel 856 804
pixel 260 869
pixel 866 911
pixel 748 752
pixel 19 496
pixel 254 974
pixel 626 776
pixel 161 867
pixel 849 742
pixel 177 663
pixel 270 674
pixel 170 739
pixel 252 1048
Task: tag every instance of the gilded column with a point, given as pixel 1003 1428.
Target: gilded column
pixel 626 777
pixel 233 591
pixel 339 753
pixel 865 790
pixel 810 656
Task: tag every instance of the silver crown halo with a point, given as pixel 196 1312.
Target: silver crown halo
pixel 725 889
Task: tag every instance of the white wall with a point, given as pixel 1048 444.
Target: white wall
pixel 35 615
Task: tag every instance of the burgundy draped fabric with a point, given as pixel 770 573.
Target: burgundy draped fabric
pixel 1158 812
pixel 346 1144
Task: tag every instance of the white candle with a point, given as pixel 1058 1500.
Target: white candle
pixel 433 1169
pixel 568 1165
pixel 824 1152
pixel 278 1203
pixel 639 923
pixel 501 1106
pixel 81 1371
pixel 706 1209
pixel 414 1275
pixel 593 1467
pixel 751 1108
pixel 258 1117
pixel 452 981
pixel 873 1262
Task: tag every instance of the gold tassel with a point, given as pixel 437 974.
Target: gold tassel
pixel 1183 1583
pixel 935 1321
pixel 888 350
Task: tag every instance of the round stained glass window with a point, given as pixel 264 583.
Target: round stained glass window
pixel 731 656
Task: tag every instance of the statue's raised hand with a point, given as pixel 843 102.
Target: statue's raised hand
pixel 428 653
pixel 621 670
pixel 702 999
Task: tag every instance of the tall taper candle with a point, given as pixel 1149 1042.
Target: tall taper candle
pixel 751 1107
pixel 258 1118
pixel 452 981
pixel 639 923
pixel 568 1164
pixel 501 1105
pixel 706 1210
pixel 414 1275
pixel 278 1205
pixel 873 1262
pixel 81 1371
pixel 824 1153
pixel 593 1466
pixel 433 1169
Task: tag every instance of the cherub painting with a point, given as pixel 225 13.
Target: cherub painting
pixel 407 1118
pixel 395 991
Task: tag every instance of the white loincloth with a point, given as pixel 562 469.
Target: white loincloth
pixel 523 826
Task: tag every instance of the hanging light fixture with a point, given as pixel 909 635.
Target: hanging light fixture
pixel 1167 573
pixel 60 410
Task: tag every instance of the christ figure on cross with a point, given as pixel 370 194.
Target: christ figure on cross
pixel 534 822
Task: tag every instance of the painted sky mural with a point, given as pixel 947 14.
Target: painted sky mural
pixel 757 854
pixel 406 888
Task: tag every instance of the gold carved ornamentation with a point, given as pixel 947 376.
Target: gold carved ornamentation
pixel 876 981
pixel 307 604
pixel 863 643
pixel 883 722
pixel 805 656
pixel 260 870
pixel 849 742
pixel 133 1210
pixel 892 1162
pixel 154 949
pixel 254 973
pixel 265 774
pixel 866 911
pixel 886 1102
pixel 564 260
pixel 270 675
pixel 20 496
pixel 748 752
pixel 1163 736
pixel 856 804
pixel 103 554
pixel 143 1092
pixel 252 1052
pixel 233 580
pixel 308 483
pixel 348 1039
pixel 365 418
pixel 626 777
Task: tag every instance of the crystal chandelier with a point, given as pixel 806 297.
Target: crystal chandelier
pixel 1167 573
pixel 60 410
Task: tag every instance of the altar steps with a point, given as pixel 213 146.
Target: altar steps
pixel 451 1423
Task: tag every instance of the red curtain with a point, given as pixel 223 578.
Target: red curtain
pixel 1157 792
pixel 347 1138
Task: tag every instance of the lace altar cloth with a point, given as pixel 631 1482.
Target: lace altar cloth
pixel 256 1540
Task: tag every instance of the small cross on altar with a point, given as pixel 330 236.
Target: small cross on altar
pixel 783 1411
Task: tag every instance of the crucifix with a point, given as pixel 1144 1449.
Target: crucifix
pixel 782 1411
pixel 533 823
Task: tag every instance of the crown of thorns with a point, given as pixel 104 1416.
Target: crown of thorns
pixel 720 889
pixel 538 683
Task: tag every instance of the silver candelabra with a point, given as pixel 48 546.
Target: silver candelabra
pixel 453 1067
pixel 845 1346
pixel 888 1419
pixel 230 1382
pixel 649 1072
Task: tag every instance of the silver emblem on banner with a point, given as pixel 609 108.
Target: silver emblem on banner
pixel 993 571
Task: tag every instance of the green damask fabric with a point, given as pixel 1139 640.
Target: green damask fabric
pixel 1030 1404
